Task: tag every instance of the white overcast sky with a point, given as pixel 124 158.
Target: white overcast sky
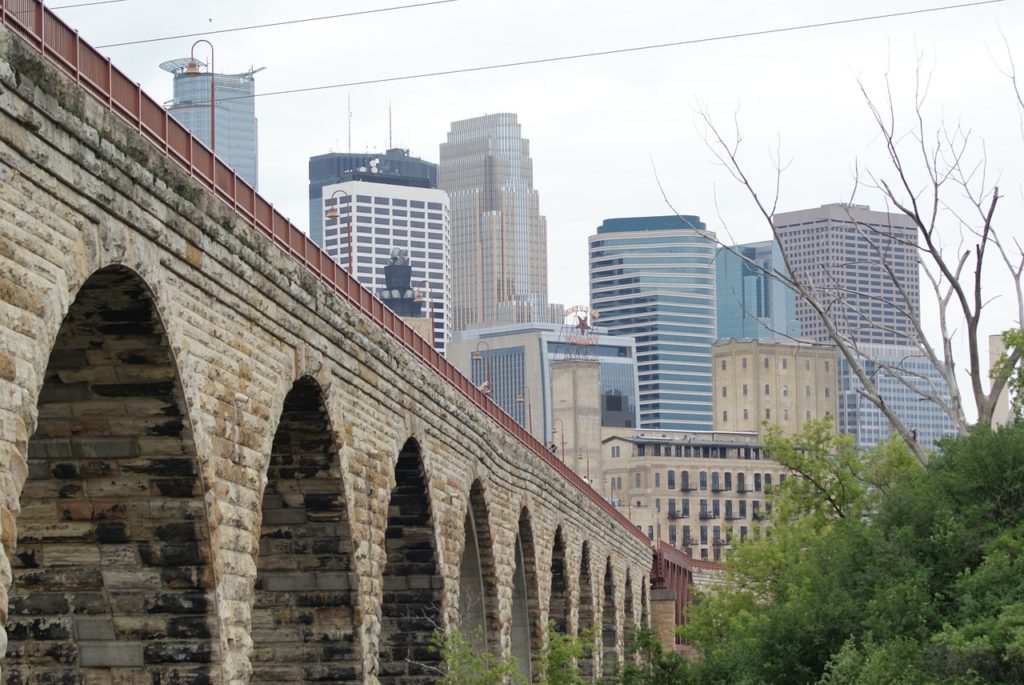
pixel 598 127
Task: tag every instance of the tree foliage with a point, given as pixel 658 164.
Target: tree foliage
pixel 880 572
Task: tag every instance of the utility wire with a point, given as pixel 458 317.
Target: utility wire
pixel 82 4
pixel 620 51
pixel 272 24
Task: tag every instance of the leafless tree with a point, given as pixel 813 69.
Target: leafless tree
pixel 937 179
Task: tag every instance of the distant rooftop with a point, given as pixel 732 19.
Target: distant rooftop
pixel 651 223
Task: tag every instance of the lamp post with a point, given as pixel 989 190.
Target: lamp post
pixel 524 397
pixel 477 357
pixel 192 69
pixel 556 431
pixel 333 213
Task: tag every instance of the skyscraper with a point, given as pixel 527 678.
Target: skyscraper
pixel 331 168
pixel 234 114
pixel 846 253
pixel 863 267
pixel 499 238
pixel 752 304
pixel 653 278
pixel 389 214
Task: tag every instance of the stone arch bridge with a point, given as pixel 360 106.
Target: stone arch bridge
pixel 221 461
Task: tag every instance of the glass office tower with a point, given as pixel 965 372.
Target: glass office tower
pixel 499 238
pixel 653 278
pixel 752 304
pixel 235 114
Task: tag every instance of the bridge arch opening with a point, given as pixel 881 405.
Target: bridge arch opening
pixel 411 608
pixel 586 628
pixel 558 604
pixel 303 626
pixel 527 632
pixel 645 617
pixel 609 647
pixel 478 597
pixel 111 576
pixel 628 618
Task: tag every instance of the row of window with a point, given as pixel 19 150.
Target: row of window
pixel 696 451
pixel 393 201
pixel 767 363
pixel 719 482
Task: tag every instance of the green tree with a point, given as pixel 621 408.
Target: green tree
pixel 648 664
pixel 464 666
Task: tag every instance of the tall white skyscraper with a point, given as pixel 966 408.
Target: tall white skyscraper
pixel 377 214
pixel 863 267
pixel 499 238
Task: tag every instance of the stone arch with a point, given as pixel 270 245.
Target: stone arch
pixel 478 596
pixel 412 584
pixel 609 633
pixel 628 615
pixel 303 626
pixel 112 576
pixel 527 631
pixel 558 602
pixel 585 612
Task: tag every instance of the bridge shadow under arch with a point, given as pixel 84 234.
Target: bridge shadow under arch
pixel 609 651
pixel 526 630
pixel 111 572
pixel 412 584
pixel 586 614
pixel 478 596
pixel 303 624
pixel 558 603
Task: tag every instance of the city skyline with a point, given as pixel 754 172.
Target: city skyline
pixel 581 115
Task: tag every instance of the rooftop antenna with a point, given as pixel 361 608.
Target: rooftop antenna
pixel 389 125
pixel 350 124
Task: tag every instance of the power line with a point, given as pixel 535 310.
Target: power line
pixel 272 24
pixel 620 51
pixel 83 4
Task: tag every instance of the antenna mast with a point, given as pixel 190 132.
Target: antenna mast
pixel 389 125
pixel 350 124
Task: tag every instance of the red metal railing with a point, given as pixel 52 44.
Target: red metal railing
pixel 62 45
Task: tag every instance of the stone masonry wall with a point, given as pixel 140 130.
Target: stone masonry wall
pixel 241 324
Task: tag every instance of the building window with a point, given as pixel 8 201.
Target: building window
pixel 684 481
pixel 723 365
pixel 725 415
pixel 807 365
pixel 671 533
pixel 704 553
pixel 640 449
pixel 740 483
pixel 743 362
pixel 766 362
pixel 657 450
pixel 757 483
pixel 828 391
pixel 826 366
pixel 728 510
pixel 715 482
pixel 743 508
pixel 716 510
pixel 657 504
pixel 746 414
pixel 743 533
pixel 636 480
pixel 672 507
pixel 616 452
pixel 767 482
pixel 687 538
pixel 704 535
pixel 657 479
pixel 767 389
pixel 685 507
pixel 703 509
pixel 785 391
pixel 808 414
pixel 768 414
pixel 785 415
pixel 807 391
pixel 785 364
pixel 703 480
pixel 728 481
pixel 725 391
pixel 782 478
pixel 671 479
pixel 744 389
pixel 650 532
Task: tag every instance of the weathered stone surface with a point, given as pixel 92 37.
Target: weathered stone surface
pixel 204 443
